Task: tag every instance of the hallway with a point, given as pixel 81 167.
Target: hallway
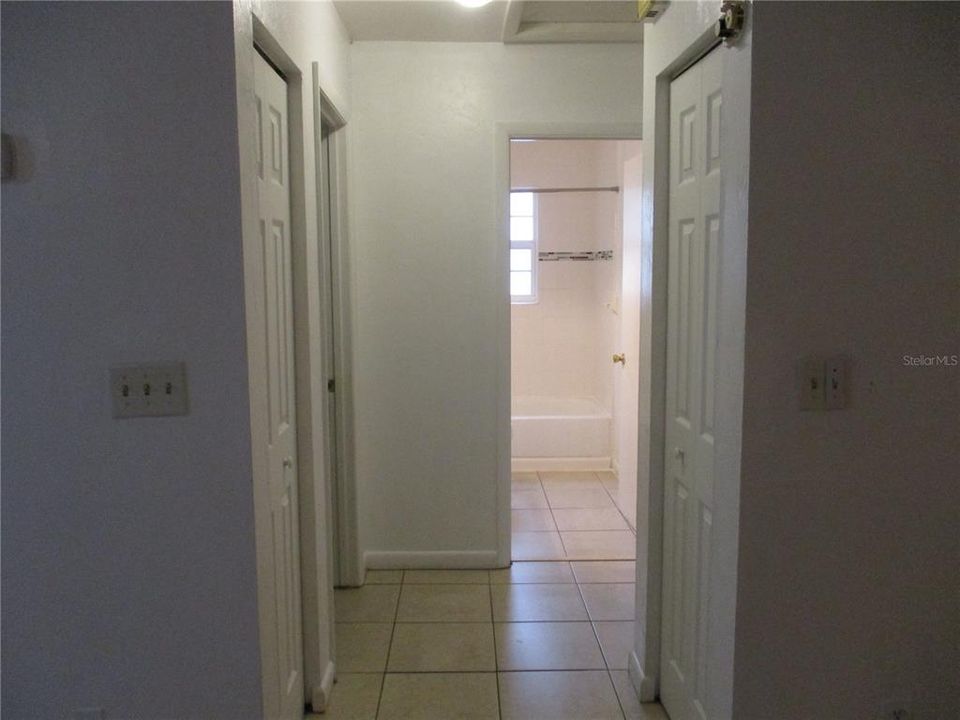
pixel 569 516
pixel 540 640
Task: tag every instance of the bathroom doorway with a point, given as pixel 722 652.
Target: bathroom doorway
pixel 576 308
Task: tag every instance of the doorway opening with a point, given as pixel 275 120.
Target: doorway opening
pixel 333 259
pixel 575 317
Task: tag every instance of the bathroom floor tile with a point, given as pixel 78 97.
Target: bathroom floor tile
pixel 370 603
pixel 578 498
pixel 525 481
pixel 528 603
pixel 612 487
pixel 547 646
pixel 570 480
pixel 600 545
pixel 442 647
pixel 610 601
pixel 526 499
pixel 537 546
pixel 444 603
pixel 430 696
pixel 609 481
pixel 633 709
pixel 532 521
pixel 446 577
pixel 354 697
pixel 584 519
pixel 616 641
pixel 605 571
pixel 533 572
pixel 362 647
pixel 383 577
pixel 563 695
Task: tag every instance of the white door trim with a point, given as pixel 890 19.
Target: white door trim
pixel 348 568
pixel 504 133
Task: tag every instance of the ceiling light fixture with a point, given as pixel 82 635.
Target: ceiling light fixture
pixel 472 3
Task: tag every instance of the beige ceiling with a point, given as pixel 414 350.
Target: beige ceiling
pixel 511 21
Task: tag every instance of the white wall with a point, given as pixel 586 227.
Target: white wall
pixel 424 228
pixel 561 345
pixel 128 556
pixel 850 531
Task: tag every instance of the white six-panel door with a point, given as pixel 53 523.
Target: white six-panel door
pixel 694 237
pixel 282 654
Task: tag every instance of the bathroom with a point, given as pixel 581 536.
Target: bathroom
pixel 577 302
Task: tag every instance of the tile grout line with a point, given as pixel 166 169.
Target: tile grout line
pixel 553 517
pixel 617 505
pixel 606 665
pixel 493 629
pixel 393 631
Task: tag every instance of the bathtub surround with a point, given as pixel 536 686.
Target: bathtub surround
pixel 558 345
pixel 559 434
pixel 561 346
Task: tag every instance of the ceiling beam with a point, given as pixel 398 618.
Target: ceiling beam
pixel 511 20
pixel 551 32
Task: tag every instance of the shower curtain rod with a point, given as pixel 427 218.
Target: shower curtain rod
pixel 612 188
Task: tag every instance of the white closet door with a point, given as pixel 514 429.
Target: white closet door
pixel 281 635
pixel 695 232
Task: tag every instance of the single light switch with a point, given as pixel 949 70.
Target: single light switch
pixel 835 383
pixel 810 380
pixel 148 390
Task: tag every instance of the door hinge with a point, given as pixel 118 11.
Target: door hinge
pixel 331 385
pixel 730 24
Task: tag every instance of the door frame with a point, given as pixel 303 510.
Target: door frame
pixel 505 132
pixel 334 259
pixel 312 480
pixel 685 37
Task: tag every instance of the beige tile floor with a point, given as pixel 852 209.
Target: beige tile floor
pixel 538 640
pixel 569 516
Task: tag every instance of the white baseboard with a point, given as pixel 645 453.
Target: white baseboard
pixel 320 695
pixel 644 685
pixel 430 560
pixel 559 464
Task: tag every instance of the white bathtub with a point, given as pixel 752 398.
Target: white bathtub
pixel 552 433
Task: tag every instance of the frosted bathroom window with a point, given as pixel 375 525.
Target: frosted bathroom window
pixel 521 260
pixel 521 204
pixel 523 247
pixel 521 229
pixel 521 284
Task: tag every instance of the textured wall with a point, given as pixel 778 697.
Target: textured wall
pixel 424 234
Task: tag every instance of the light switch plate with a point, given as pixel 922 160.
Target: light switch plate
pixel 149 390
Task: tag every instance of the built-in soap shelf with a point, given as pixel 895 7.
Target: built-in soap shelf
pixel 580 256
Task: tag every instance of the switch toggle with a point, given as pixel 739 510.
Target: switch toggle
pixel 835 383
pixel 148 390
pixel 810 381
